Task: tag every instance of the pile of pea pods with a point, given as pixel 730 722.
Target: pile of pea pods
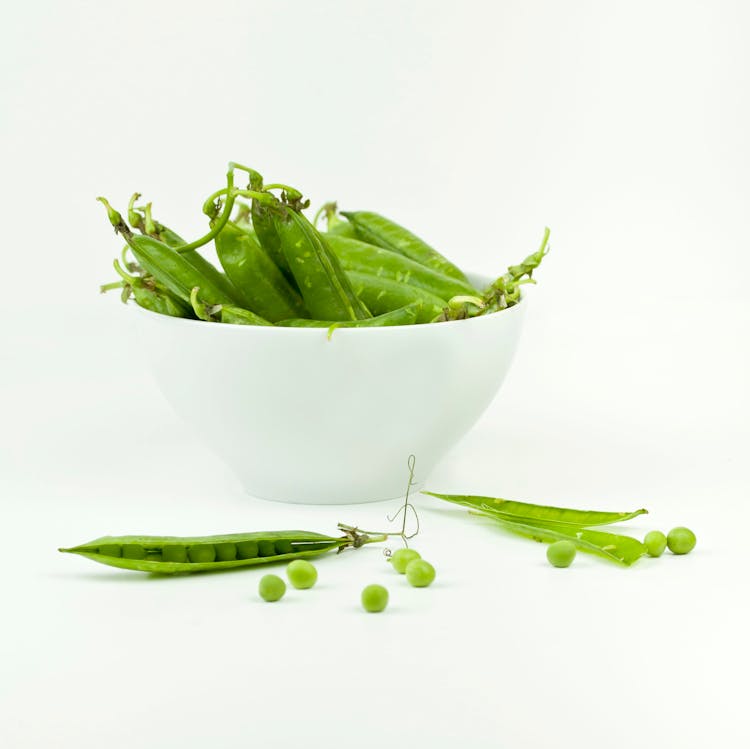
pixel 278 268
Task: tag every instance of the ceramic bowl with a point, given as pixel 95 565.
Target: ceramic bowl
pixel 301 418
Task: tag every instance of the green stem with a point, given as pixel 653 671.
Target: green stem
pixel 104 288
pixel 220 222
pixel 256 180
pixel 135 218
pixel 130 280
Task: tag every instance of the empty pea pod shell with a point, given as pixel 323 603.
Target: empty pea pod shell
pixel 170 555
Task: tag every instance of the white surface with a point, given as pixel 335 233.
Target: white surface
pixel 623 127
pixel 263 397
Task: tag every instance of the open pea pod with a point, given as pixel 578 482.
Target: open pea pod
pixel 616 547
pixel 177 554
pixel 523 512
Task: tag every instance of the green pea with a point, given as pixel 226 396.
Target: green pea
pixel 226 552
pixel 301 574
pixel 374 598
pixel 247 550
pixel 419 573
pixel 561 553
pixel 110 550
pixel 282 547
pixel 655 543
pixel 202 554
pixel 174 553
pixel 271 588
pixel 266 549
pixel 153 556
pixel 401 558
pixel 681 540
pixel 133 551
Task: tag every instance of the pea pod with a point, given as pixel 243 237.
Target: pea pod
pixel 361 257
pixel 168 267
pixel 405 316
pixel 149 295
pixel 550 524
pixel 174 554
pixel 382 295
pixel 380 231
pixel 325 287
pixel 260 285
pixel 613 546
pixel 226 313
pixel 148 225
pixel 523 512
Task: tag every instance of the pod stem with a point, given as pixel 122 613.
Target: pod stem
pixel 104 288
pixel 135 218
pixel 220 222
pixel 377 536
pixel 116 219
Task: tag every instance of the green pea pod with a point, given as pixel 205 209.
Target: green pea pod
pixel 380 231
pixel 524 512
pixel 225 313
pixel 168 267
pixel 613 546
pixel 325 287
pixel 171 270
pixel 149 294
pixel 382 295
pixel 261 286
pixel 238 316
pixel 159 300
pixel 361 257
pixel 148 225
pixel 405 316
pixel 168 555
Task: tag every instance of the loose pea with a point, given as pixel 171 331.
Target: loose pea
pixel 561 553
pixel 401 558
pixel 247 550
pixel 283 547
pixel 655 543
pixel 226 552
pixel 133 551
pixel 419 573
pixel 202 554
pixel 271 587
pixel 301 574
pixel 110 550
pixel 174 553
pixel 266 549
pixel 374 598
pixel 681 540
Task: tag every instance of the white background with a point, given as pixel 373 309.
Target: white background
pixel 621 125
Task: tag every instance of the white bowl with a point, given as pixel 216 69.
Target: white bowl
pixel 300 418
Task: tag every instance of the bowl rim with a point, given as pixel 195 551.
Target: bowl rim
pixel 480 319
